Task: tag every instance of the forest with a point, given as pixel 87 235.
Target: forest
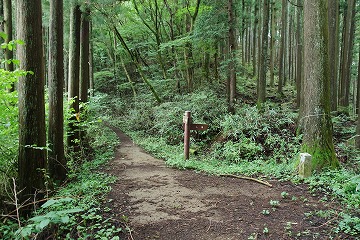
pixel 272 79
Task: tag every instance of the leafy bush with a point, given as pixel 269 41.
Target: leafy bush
pixel 74 211
pixel 261 135
pixel 105 82
pixel 8 127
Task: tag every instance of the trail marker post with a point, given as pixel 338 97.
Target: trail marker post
pixel 188 125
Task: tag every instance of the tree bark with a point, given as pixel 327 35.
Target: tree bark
pixel 254 52
pixel 272 43
pixel 299 54
pixel 84 56
pixel 56 158
pixel 248 37
pixel 73 81
pixel 91 65
pixel 232 50
pixel 1 19
pixel 263 60
pixel 32 132
pixel 347 55
pixel 290 47
pixel 317 139
pixel 333 14
pixel 8 31
pixel 282 53
pixel 357 139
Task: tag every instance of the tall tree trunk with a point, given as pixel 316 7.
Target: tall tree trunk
pixel 232 50
pixel 347 54
pixel 258 63
pixel 357 102
pixel 317 139
pixel 290 47
pixel 188 53
pixel 272 43
pixel 357 139
pixel 56 158
pixel 299 54
pixel 32 132
pixel 127 75
pixel 263 60
pixel 1 19
pixel 254 41
pixel 333 15
pixel 8 31
pixel 248 37
pixel 74 61
pixel 282 57
pixel 91 64
pixel 216 63
pixel 84 56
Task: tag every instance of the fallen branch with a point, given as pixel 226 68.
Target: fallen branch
pixel 247 178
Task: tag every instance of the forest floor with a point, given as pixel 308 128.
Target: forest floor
pixel 158 202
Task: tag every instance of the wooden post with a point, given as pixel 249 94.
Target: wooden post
pixel 187 122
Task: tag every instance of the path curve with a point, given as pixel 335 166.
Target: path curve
pixel 170 204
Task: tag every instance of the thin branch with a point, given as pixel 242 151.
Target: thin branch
pixel 294 4
pixel 16 203
pixel 247 178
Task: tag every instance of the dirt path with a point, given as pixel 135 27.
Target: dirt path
pixel 170 204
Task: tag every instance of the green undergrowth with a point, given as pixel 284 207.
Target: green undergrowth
pixel 261 143
pixel 75 210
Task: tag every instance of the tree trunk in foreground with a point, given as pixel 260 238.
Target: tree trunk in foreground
pixel 84 56
pixel 264 55
pixel 282 53
pixel 357 139
pixel 317 139
pixel 56 158
pixel 333 14
pixel 8 28
pixel 74 61
pixel 232 50
pixel 32 133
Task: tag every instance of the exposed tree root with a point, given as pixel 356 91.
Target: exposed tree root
pixel 247 178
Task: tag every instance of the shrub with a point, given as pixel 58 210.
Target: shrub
pixel 105 82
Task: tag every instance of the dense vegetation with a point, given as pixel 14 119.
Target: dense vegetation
pixel 152 60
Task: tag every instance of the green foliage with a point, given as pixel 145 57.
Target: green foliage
pixel 274 203
pixel 349 224
pixel 249 142
pixel 284 195
pixel 74 211
pixel 265 212
pixel 51 217
pixel 268 135
pixel 105 82
pixel 340 183
pixel 8 120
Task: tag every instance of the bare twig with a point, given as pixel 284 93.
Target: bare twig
pixel 247 178
pixel 129 231
pixel 31 203
pixel 16 203
pixel 324 224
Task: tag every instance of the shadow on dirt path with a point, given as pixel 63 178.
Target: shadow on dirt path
pixel 170 204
